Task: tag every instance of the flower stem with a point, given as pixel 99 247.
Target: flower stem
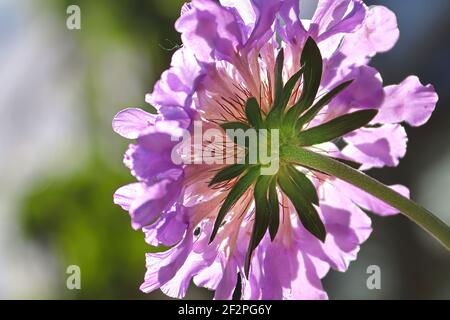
pixel 412 210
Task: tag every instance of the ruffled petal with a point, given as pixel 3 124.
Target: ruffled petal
pixel 210 31
pixel 176 86
pixel 168 230
pixel 368 202
pixel 177 286
pixel 376 147
pixel 410 101
pixel 178 114
pixel 266 11
pixel 154 200
pixel 296 278
pixel 291 29
pixel 379 33
pixel 195 259
pixel 211 276
pixel 366 91
pixel 153 153
pixel 124 196
pixel 347 227
pixel 337 16
pixel 257 18
pixel 306 284
pixel 162 266
pixel 225 288
pixel 145 164
pixel 245 10
pixel 146 202
pixel 129 123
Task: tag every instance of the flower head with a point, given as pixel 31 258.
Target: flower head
pixel 254 64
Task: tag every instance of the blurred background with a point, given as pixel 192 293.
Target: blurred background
pixel 60 161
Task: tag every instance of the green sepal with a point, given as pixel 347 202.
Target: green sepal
pixel 228 173
pixel 303 184
pixel 279 64
pixel 314 110
pixel 262 217
pixel 274 207
pixel 279 106
pixel 253 113
pixel 311 60
pixel 308 215
pixel 289 88
pixel 233 196
pixel 336 128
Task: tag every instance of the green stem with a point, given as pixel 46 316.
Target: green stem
pixel 412 210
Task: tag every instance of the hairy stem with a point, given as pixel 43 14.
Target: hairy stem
pixel 331 167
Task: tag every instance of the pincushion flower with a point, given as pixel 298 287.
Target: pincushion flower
pixel 254 64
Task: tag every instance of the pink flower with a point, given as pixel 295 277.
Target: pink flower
pixel 230 55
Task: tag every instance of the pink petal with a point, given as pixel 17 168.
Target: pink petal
pixel 410 101
pixel 177 84
pixel 210 31
pixel 125 195
pixel 266 11
pixel 129 123
pixel 244 8
pixel 379 33
pixel 369 202
pixel 162 267
pixel 365 92
pixel 377 147
pixel 225 288
pixel 337 16
pixel 347 227
pixel 156 198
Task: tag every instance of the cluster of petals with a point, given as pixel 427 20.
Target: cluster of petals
pixel 228 55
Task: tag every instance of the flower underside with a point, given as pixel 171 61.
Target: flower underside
pixel 273 192
pixel 292 125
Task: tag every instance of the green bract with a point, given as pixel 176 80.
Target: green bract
pixel 295 133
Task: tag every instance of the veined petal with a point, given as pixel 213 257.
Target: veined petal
pixel 124 196
pixel 368 202
pixel 291 29
pixel 145 164
pixel 176 86
pixel 258 17
pixel 410 101
pixel 245 10
pixel 168 230
pixel 347 227
pixel 177 286
pixel 131 122
pixel 227 285
pixel 379 33
pixel 162 266
pixel 365 92
pixel 266 11
pixel 337 16
pixel 146 202
pixel 210 31
pixel 296 279
pixel 377 147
